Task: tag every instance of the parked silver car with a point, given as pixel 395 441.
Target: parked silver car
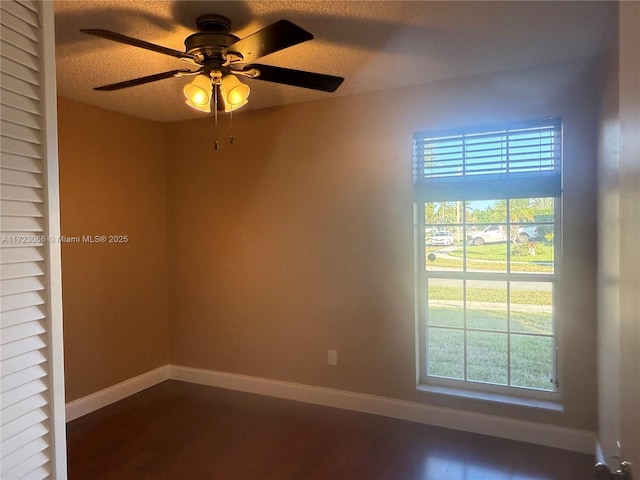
pixel 534 233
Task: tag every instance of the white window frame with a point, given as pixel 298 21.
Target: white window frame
pixel 458 189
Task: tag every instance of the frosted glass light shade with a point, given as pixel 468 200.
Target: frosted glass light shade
pixel 234 93
pixel 198 93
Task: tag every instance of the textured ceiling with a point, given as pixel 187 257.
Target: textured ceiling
pixel 375 45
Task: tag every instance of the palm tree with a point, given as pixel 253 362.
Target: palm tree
pixel 430 213
pixel 542 206
pixel 521 210
pixel 471 214
pixel 448 212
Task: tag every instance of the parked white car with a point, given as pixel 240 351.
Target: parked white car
pixel 491 234
pixel 441 237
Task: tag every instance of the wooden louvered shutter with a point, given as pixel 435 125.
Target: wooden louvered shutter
pixel 32 396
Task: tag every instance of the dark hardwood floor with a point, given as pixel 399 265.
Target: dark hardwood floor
pixel 179 431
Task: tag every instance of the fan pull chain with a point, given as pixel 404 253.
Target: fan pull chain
pixel 215 114
pixel 231 127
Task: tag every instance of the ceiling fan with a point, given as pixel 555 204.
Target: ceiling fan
pixel 221 57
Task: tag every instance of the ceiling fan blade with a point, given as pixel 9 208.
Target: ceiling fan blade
pixel 142 80
pixel 117 37
pixel 297 78
pixel 277 36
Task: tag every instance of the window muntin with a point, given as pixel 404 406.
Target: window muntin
pixel 488 207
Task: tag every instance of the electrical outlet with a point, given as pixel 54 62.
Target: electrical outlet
pixel 332 357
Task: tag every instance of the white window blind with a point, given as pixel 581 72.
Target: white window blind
pixel 520 159
pixel 30 324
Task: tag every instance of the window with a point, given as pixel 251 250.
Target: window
pixel 488 227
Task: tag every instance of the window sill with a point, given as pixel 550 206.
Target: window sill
pixel 548 405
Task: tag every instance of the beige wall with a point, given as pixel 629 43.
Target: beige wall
pixel 112 182
pixel 298 238
pixel 619 236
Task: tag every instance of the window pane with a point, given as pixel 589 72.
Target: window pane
pixel 531 210
pixel 531 306
pixel 487 248
pixel 486 211
pixel 446 302
pixel 487 357
pixel 532 362
pixel 487 305
pixel 444 248
pixel 532 257
pixel 443 237
pixel 439 259
pixel 443 213
pixel 487 235
pixel 445 353
pixel 443 234
pixel 532 232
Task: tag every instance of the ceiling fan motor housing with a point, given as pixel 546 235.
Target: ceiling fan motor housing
pixel 212 38
pixel 213 23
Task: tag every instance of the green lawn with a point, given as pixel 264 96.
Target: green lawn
pixel 484 333
pixel 523 297
pixel 525 322
pixel 487 358
pixel 531 357
pixel 490 257
pixel 498 252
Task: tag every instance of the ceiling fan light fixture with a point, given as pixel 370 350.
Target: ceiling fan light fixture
pixel 203 108
pixel 198 93
pixel 234 93
pixel 232 108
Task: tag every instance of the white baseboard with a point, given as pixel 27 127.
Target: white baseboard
pixel 97 400
pixel 513 429
pixel 531 432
